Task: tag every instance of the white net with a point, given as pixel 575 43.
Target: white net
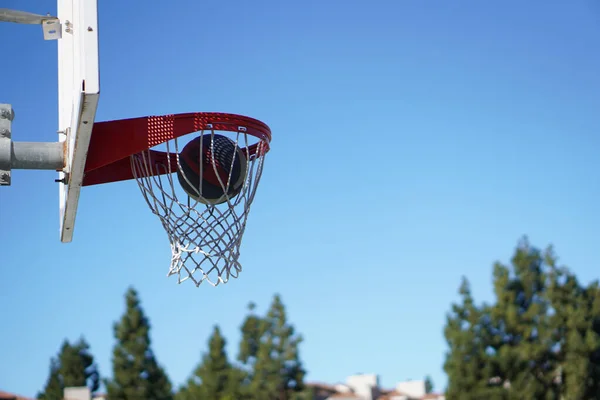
pixel 205 237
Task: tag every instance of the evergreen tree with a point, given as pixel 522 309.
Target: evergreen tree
pixel 214 378
pixel 253 330
pixel 539 340
pixel 576 334
pixel 428 384
pixel 77 366
pixel 54 388
pixel 270 346
pixel 592 335
pixel 520 325
pixel 136 372
pixel 468 365
pixel 73 367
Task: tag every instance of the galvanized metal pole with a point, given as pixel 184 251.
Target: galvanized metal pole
pixel 25 155
pixel 37 155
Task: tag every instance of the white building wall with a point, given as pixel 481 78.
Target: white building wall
pixel 364 385
pixel 412 388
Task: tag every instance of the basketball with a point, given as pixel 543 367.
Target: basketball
pixel 196 162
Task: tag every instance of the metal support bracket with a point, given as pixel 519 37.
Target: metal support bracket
pixel 25 155
pixel 6 116
pixel 50 24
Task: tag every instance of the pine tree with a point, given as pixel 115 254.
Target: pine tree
pixel 74 366
pixel 253 330
pixel 539 340
pixel 270 344
pixel 77 366
pixel 471 372
pixel 428 384
pixel 54 388
pixel 576 334
pixel 136 372
pixel 593 340
pixel 520 324
pixel 215 377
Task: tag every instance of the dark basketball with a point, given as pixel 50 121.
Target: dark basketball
pixel 195 161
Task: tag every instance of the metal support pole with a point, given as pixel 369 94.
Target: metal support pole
pixel 37 155
pixel 25 155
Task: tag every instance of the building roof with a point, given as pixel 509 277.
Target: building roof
pixel 11 396
pixel 432 396
pixel 320 385
pixel 390 394
pixel 349 395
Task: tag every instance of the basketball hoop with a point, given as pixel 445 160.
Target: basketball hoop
pixel 200 189
pixel 205 235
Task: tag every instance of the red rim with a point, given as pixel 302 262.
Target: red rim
pixel 113 142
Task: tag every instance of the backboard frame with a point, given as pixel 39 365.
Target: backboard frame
pixel 78 95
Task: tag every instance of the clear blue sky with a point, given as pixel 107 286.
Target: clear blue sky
pixel 413 142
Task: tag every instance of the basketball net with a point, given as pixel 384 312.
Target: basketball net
pixel 205 239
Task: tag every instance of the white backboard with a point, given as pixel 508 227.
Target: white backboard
pixel 78 92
